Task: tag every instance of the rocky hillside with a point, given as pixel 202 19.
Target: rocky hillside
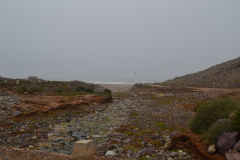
pixel 225 75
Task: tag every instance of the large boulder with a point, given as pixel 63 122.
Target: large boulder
pixel 220 126
pixel 226 141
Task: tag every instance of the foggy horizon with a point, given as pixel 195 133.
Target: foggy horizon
pixel 116 41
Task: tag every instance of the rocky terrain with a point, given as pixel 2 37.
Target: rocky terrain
pixel 225 75
pixel 140 122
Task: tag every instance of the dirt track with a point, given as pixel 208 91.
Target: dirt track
pixel 118 87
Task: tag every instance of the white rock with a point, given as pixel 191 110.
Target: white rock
pixel 31 147
pixel 110 154
pixel 212 149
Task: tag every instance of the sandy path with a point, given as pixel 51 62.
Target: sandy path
pixel 118 87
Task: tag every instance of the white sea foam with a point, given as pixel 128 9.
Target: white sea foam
pixel 100 82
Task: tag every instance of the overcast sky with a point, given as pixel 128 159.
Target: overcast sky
pixel 110 40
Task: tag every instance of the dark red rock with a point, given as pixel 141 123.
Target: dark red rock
pixel 226 141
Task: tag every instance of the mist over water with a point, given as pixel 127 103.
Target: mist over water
pixel 109 41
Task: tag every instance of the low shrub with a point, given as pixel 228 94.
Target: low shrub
pixel 141 85
pixel 107 92
pixel 218 128
pixel 236 119
pixel 84 89
pixel 22 89
pixel 210 111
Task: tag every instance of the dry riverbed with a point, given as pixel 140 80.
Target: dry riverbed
pixel 138 124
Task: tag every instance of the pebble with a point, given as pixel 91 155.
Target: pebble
pixel 212 149
pixel 31 147
pixel 110 154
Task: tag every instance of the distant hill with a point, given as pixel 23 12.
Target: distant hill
pixel 226 75
pixel 36 85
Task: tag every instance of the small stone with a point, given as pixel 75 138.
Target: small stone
pixel 173 154
pixel 120 150
pixel 17 113
pixel 182 154
pixel 148 157
pixel 110 154
pixel 31 147
pixel 149 145
pixel 68 119
pixel 212 149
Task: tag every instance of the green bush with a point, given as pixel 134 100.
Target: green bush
pixel 217 129
pixel 84 89
pixel 22 89
pixel 30 90
pixel 236 119
pixel 210 111
pixel 107 92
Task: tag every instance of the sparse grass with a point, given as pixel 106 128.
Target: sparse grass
pixel 44 114
pixel 165 100
pixel 134 146
pixel 156 143
pixel 122 95
pixel 134 114
pixel 147 131
pixel 183 129
pixel 130 147
pixel 161 125
pixel 143 158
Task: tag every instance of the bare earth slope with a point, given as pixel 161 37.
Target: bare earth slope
pixel 226 74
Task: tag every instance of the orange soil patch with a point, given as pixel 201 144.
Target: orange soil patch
pixel 195 145
pixel 51 104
